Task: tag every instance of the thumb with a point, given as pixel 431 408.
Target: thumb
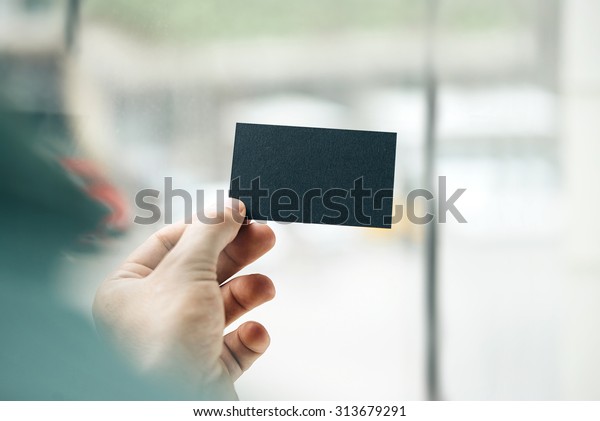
pixel 200 245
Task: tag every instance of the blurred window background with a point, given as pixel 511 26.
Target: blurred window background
pixel 154 89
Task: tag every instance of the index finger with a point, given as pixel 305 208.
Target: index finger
pixel 252 241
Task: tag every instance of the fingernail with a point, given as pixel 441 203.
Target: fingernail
pixel 235 204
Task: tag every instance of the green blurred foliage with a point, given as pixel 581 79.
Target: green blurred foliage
pixel 209 19
pixel 481 15
pixel 186 19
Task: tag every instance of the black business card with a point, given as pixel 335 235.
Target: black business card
pixel 314 175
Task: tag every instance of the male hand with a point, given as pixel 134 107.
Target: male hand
pixel 167 306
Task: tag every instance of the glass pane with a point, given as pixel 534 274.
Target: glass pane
pixel 499 273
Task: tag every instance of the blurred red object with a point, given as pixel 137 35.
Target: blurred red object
pixel 98 188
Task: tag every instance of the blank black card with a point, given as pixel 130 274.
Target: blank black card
pixel 314 175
